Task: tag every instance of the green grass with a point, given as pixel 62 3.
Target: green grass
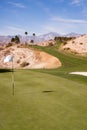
pixel 45 99
pixel 70 63
pixel 42 102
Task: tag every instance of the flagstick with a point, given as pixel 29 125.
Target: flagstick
pixel 12 79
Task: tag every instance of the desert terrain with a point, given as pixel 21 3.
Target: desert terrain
pixel 25 57
pixel 77 46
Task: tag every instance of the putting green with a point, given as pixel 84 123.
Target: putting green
pixel 42 102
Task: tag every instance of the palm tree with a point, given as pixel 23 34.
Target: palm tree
pixel 34 36
pixel 26 33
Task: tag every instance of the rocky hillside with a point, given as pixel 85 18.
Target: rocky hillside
pixel 77 46
pixel 25 57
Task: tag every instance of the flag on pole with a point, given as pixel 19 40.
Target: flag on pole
pixel 8 58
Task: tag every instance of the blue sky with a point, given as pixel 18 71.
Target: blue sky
pixel 42 16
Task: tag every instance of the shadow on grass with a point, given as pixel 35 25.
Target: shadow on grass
pixel 47 91
pixel 5 70
pixel 38 92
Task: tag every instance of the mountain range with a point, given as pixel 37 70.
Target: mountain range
pixel 44 37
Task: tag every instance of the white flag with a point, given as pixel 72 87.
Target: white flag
pixel 8 58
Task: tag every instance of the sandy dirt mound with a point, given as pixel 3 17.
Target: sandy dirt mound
pixel 28 58
pixel 77 46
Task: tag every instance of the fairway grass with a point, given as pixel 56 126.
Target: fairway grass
pixel 45 99
pixel 42 102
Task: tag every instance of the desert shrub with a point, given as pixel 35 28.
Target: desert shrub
pixel 20 57
pixel 50 44
pixel 62 39
pixel 64 43
pixel 81 43
pixel 13 39
pixel 24 56
pixel 7 52
pixel 12 49
pixel 18 61
pixel 23 45
pixel 18 46
pixel 73 41
pixel 1 48
pixel 16 39
pixel 32 41
pixel 23 64
pixel 9 44
pixel 64 48
pixel 67 48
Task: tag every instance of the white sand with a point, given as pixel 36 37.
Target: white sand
pixel 79 73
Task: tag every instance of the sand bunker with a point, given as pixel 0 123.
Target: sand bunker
pixel 79 73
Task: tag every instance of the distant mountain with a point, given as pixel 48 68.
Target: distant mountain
pixel 72 34
pixel 5 39
pixel 48 36
pixel 44 37
pixel 40 38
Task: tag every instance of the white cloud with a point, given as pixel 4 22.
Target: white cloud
pixel 76 2
pixel 64 26
pixel 53 28
pixel 18 5
pixel 75 21
pixel 14 30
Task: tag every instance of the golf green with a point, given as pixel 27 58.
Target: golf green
pixel 41 102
